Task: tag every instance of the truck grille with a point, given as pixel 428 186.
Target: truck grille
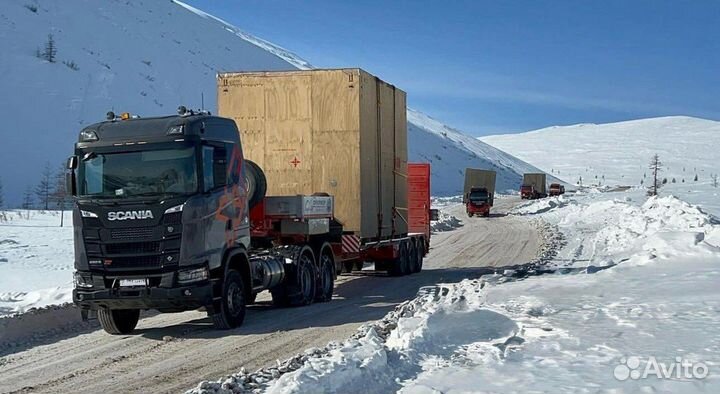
pixel 132 233
pixel 172 218
pixel 133 248
pixel 141 262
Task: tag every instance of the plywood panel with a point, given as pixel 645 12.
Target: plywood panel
pixel 369 148
pixel 401 162
pixel 242 99
pixel 387 155
pixel 288 135
pixel 336 140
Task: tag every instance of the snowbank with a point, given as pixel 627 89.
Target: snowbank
pixel 605 230
pixel 657 305
pixel 446 222
pixel 36 261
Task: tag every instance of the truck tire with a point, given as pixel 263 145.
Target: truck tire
pixel 420 253
pixel 400 265
pixel 413 258
pixel 256 183
pixel 231 311
pixel 118 321
pixel 405 262
pixel 326 278
pixel 300 280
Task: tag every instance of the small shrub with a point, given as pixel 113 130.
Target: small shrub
pixel 71 65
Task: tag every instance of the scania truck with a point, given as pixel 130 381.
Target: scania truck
pixel 171 215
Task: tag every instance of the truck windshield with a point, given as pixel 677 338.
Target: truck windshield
pixel 141 173
pixel 479 196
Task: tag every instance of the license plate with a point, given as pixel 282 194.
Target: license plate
pixel 133 282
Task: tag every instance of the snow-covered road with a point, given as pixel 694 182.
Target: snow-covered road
pixel 172 352
pixel 628 304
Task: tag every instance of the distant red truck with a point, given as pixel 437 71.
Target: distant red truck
pixel 533 186
pixel 479 191
pixel 556 189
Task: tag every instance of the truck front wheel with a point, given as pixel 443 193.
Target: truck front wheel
pixel 118 321
pixel 231 311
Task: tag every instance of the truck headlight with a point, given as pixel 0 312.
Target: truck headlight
pixel 177 208
pixel 193 275
pixel 82 281
pixel 88 214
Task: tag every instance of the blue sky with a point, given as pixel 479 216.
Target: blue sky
pixel 490 67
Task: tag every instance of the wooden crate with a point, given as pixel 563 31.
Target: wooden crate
pixel 341 132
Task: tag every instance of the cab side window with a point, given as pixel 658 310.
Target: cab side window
pixel 208 168
pixel 214 163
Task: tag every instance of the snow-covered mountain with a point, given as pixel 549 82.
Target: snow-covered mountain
pixel 148 57
pixel 450 151
pixel 619 154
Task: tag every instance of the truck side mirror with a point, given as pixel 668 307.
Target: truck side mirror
pixel 72 162
pixel 70 184
pixel 434 215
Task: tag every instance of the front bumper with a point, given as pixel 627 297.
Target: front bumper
pixel 472 208
pixel 187 297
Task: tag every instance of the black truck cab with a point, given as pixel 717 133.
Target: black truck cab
pixel 161 215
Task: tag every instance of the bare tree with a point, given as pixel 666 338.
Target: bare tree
pixel 714 180
pixel 44 189
pixel 27 203
pixel 60 194
pixel 655 167
pixel 50 49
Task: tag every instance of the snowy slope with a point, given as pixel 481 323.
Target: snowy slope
pixel 148 57
pixel 450 151
pixel 620 152
pixel 624 329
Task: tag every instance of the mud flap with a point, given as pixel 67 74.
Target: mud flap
pixel 87 314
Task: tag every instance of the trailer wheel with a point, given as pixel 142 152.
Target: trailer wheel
pixel 326 278
pixel 231 311
pixel 256 183
pixel 420 256
pixel 118 321
pixel 401 265
pixel 405 258
pixel 413 258
pixel 299 287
